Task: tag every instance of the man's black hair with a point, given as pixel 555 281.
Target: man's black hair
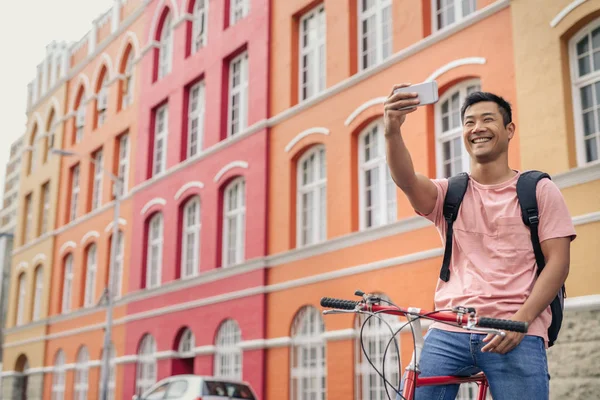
pixel 477 97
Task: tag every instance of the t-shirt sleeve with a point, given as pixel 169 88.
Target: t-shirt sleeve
pixel 555 219
pixel 437 214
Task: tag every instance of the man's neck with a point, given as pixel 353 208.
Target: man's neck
pixel 491 173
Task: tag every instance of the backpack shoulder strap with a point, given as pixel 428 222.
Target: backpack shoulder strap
pixel 457 186
pixel 526 193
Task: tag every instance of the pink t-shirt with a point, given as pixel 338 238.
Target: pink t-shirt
pixel 493 266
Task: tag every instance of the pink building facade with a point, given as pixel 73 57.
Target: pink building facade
pixel 197 270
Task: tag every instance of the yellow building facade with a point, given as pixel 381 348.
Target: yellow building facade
pixel 557 66
pixel 34 242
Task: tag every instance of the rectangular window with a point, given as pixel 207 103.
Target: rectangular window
pixel 161 129
pixel 375 29
pixel 312 53
pixel 238 9
pixel 447 12
pixel 123 163
pixel 97 185
pixel 312 197
pixel 27 233
pixel 74 192
pixel 234 222
pixel 90 277
pixel 79 123
pixel 37 296
pixel 45 209
pixel 195 119
pixel 238 94
pixel 155 252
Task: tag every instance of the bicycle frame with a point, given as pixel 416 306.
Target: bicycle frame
pixel 460 316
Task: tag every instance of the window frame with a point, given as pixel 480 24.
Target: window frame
pixel 102 100
pixel 163 137
pixel 319 67
pixel 45 208
pixel 377 11
pixel 81 379
pixel 75 189
pixel 146 359
pixel 197 115
pixel 159 243
pixel 242 91
pixel 98 178
pixel 228 358
pixel 235 5
pixel 442 137
pixel 59 375
pixel 458 13
pixel 123 162
pixel 239 213
pixel 165 50
pixel 127 83
pixel 318 221
pixel 194 230
pixel 592 78
pixel 28 228
pixel 21 297
pixel 38 291
pixel 199 19
pixel 116 291
pixel 91 274
pixel 67 292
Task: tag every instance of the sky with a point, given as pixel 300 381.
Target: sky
pixel 26 27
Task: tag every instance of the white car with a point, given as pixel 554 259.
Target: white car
pixel 195 387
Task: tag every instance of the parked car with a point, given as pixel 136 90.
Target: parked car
pixel 195 387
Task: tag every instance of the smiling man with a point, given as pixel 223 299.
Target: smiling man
pixel 493 267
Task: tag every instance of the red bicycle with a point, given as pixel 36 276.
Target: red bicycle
pixel 460 316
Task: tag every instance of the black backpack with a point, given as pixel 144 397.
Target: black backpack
pixel 526 187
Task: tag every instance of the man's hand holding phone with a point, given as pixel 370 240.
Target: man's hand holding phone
pixel 397 106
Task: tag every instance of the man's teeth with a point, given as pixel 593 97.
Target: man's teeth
pixel 481 140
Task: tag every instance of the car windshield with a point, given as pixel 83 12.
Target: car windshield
pixel 227 390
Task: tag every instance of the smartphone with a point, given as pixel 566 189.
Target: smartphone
pixel 427 92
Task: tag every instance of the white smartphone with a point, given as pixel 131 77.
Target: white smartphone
pixel 427 92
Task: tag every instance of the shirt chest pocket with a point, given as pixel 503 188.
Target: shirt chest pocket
pixel 512 235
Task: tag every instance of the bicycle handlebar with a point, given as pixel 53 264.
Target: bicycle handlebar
pixel 459 317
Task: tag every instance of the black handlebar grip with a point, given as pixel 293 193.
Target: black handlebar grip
pixel 338 303
pixel 504 324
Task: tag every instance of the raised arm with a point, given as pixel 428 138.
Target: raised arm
pixel 419 189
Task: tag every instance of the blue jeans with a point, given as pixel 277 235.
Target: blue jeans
pixel 521 373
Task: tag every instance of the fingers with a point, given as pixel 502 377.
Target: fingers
pixel 510 342
pixel 397 86
pixel 488 337
pixel 491 346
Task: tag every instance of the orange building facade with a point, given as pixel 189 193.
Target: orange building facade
pixel 337 222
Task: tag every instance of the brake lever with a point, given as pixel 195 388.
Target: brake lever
pixel 485 330
pixel 336 311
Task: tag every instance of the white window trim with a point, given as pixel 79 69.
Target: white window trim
pixel 102 101
pixel 80 121
pixel 38 279
pixel 194 230
pixel 118 267
pixel 45 207
pixel 196 115
pixel 228 353
pixel 200 16
pixel 165 53
pixel 242 91
pixel 67 292
pixel 315 338
pixel 240 214
pixel 457 14
pixel 59 375
pixel 75 180
pixel 127 94
pixel 98 176
pixel 233 6
pixel 91 272
pixel 466 160
pixel 159 243
pixel 187 343
pixel 315 187
pixel 21 295
pixel 28 218
pixel 146 355
pixel 319 67
pixel 363 15
pixel 82 370
pixel 576 84
pixel 379 162
pixel 160 135
pixel 123 164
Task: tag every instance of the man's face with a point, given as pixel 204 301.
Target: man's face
pixel 484 133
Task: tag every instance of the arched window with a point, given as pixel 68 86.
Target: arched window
pixel 376 335
pixel 311 203
pixel 33 152
pixel 79 115
pixel 155 251
pixel 584 51
pixel 127 83
pixel 50 128
pixel 234 222
pixel 80 385
pixel 165 52
pixel 187 343
pixel 190 238
pixel 67 293
pixel 452 158
pixel 375 27
pixel 228 354
pixel 91 269
pixel 199 25
pixel 59 376
pixel 102 98
pixel 377 196
pixel 146 364
pixel 111 372
pixel 21 293
pixel 308 368
pixel 38 290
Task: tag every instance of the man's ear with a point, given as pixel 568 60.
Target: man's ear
pixel 511 130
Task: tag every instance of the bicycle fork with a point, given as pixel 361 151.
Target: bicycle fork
pixel 412 368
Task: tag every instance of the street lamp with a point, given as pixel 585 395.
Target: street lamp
pixel 118 187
